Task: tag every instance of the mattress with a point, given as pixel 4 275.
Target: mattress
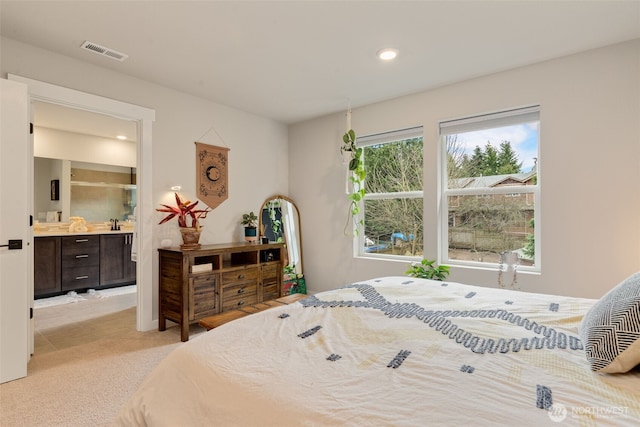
pixel 391 351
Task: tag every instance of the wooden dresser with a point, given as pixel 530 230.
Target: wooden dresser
pixel 199 283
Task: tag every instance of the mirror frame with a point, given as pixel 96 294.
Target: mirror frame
pixel 287 199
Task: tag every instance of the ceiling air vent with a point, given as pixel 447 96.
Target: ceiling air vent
pixel 104 51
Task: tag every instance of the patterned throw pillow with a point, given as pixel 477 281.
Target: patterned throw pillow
pixel 610 330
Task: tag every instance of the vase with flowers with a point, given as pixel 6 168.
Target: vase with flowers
pixel 188 220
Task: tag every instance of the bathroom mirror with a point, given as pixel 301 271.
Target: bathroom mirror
pixel 280 222
pixel 89 157
pixel 96 192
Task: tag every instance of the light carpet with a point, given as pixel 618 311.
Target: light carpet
pixel 85 385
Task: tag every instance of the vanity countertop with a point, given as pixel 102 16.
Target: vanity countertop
pixel 62 229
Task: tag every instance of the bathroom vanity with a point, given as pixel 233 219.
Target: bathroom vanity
pixel 65 261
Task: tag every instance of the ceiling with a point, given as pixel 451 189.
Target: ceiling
pixel 295 60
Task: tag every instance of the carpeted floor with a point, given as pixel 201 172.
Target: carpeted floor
pixel 85 384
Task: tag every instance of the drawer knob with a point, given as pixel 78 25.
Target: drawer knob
pixel 81 277
pixel 240 303
pixel 82 256
pixel 81 240
pixel 241 291
pixel 240 276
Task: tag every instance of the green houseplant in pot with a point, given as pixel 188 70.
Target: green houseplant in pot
pixel 426 269
pixel 250 223
pixel 188 220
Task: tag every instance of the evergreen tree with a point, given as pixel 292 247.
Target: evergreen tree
pixel 491 165
pixel 476 163
pixel 508 160
pixel 530 248
pixel 485 162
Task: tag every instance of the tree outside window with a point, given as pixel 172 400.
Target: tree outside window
pixel 393 220
pixel 491 187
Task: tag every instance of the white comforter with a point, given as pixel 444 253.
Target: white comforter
pixel 392 351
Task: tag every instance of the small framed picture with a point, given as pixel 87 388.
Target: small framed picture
pixel 55 189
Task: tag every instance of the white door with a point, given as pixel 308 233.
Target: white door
pixel 16 250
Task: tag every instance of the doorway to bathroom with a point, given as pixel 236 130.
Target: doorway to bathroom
pixel 143 118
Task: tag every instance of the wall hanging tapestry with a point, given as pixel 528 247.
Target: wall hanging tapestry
pixel 212 174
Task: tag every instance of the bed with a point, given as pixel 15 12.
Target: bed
pixel 396 351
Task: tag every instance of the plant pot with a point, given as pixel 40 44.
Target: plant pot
pixel 190 238
pixel 251 234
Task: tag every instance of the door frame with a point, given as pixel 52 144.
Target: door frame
pixel 144 117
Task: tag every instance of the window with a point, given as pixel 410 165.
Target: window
pixel 491 188
pixel 393 203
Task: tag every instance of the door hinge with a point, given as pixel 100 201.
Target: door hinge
pixel 30 128
pixel 30 220
pixel 30 312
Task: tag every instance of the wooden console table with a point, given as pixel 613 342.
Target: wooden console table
pixel 199 283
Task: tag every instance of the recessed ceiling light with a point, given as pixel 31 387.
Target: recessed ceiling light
pixel 387 54
pixel 121 137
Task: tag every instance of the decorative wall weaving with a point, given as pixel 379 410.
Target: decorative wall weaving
pixel 212 174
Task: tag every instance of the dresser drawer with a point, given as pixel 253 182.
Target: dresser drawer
pixel 80 260
pixel 74 245
pixel 240 290
pixel 243 301
pixel 80 277
pixel 244 275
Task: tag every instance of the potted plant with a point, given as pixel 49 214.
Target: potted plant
pixel 250 223
pixel 427 270
pixel 188 220
pixel 293 282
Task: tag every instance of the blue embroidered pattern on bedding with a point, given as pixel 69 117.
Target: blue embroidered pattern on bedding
pixel 547 337
pixel 400 357
pixel 544 398
pixel 309 332
pixel 468 369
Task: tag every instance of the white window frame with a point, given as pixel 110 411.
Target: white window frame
pixel 375 139
pixel 480 122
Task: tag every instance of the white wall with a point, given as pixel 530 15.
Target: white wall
pixel 56 144
pixel 589 171
pixel 258 156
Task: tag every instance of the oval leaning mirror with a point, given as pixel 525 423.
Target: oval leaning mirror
pixel 280 222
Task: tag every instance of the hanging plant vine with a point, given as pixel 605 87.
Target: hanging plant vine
pixel 356 178
pixel 273 217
